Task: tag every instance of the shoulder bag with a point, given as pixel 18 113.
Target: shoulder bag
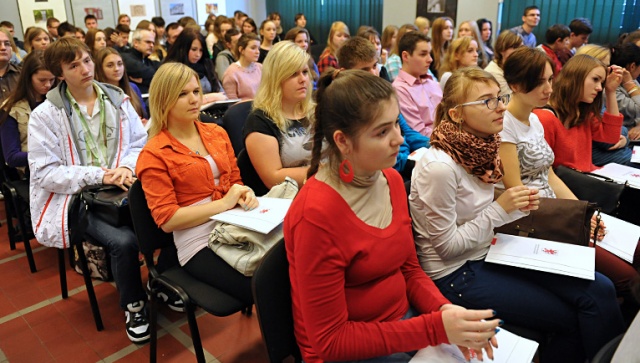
pixel 243 249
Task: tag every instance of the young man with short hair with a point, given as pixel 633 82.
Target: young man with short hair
pixel 9 72
pixel 52 28
pixel 557 41
pixel 581 29
pixel 66 29
pixel 418 93
pixel 360 53
pixel 121 38
pixel 91 22
pixel 86 133
pixel 173 30
pixel 530 20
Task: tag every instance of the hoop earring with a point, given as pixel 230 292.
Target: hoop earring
pixel 347 176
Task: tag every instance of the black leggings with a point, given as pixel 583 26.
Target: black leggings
pixel 209 268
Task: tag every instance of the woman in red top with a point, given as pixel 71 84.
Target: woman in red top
pixel 358 291
pixel 338 34
pixel 575 120
pixel 188 172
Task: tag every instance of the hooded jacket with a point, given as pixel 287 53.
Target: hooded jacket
pixel 56 165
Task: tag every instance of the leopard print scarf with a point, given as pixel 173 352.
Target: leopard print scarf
pixel 477 156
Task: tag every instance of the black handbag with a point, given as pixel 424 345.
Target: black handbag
pixel 560 220
pixel 594 188
pixel 109 203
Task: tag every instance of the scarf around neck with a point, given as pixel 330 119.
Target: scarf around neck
pixel 478 156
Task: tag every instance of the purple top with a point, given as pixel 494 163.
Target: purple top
pixel 13 154
pixel 418 98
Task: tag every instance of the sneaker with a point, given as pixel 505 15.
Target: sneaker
pixel 137 324
pixel 172 300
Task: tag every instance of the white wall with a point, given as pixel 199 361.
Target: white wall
pixel 398 12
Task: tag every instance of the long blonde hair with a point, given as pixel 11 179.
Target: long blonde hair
pixel 331 48
pixel 283 60
pixel 457 48
pixel 165 88
pixel 475 34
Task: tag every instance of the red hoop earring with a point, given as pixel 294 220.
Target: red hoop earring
pixel 346 177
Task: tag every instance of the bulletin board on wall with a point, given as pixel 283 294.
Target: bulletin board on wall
pixel 102 10
pixel 206 7
pixel 172 10
pixel 36 12
pixel 137 10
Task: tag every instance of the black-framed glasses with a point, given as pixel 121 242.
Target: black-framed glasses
pixel 491 103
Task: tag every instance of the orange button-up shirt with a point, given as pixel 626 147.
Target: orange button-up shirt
pixel 173 176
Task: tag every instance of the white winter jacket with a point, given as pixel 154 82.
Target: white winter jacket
pixel 57 170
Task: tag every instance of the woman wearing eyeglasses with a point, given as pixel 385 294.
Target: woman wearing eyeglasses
pixel 454 214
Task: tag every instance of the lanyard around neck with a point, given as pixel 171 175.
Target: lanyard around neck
pixel 95 150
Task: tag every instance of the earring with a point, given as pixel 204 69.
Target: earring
pixel 460 125
pixel 347 176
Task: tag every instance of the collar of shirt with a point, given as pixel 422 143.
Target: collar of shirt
pixel 408 78
pixel 96 108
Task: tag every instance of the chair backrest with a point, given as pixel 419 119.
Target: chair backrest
pixel 272 296
pixel 7 173
pixel 149 236
pixel 233 123
pixel 249 174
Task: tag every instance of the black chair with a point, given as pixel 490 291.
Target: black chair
pixel 16 203
pixel 233 123
pixel 249 174
pixel 194 293
pixel 272 296
pixel 605 354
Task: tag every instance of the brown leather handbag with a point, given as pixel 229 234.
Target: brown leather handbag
pixel 560 220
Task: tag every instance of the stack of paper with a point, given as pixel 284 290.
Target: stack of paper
pixel 621 174
pixel 635 155
pixel 511 349
pixel 542 255
pixel 269 214
pixel 621 237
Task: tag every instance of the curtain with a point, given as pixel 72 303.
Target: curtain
pixel 321 13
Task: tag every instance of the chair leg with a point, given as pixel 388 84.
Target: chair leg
pixel 72 258
pixel 195 333
pixel 153 312
pixel 89 284
pixel 26 242
pixel 63 274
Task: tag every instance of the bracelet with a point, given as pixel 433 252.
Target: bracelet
pixel 627 82
pixel 634 89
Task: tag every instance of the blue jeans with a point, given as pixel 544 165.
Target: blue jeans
pixel 402 357
pixel 583 315
pixel 600 155
pixel 123 249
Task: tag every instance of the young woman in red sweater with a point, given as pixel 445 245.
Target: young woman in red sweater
pixel 574 120
pixel 358 291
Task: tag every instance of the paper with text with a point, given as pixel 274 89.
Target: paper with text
pixel 635 155
pixel 542 255
pixel 269 214
pixel 621 174
pixel 621 237
pixel 511 349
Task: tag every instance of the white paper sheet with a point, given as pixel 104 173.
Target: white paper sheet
pixel 621 237
pixel 269 214
pixel 511 349
pixel 635 155
pixel 621 174
pixel 542 255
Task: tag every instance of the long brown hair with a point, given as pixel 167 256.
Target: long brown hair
pixel 568 89
pixel 340 108
pixel 32 63
pixel 438 44
pixel 124 81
